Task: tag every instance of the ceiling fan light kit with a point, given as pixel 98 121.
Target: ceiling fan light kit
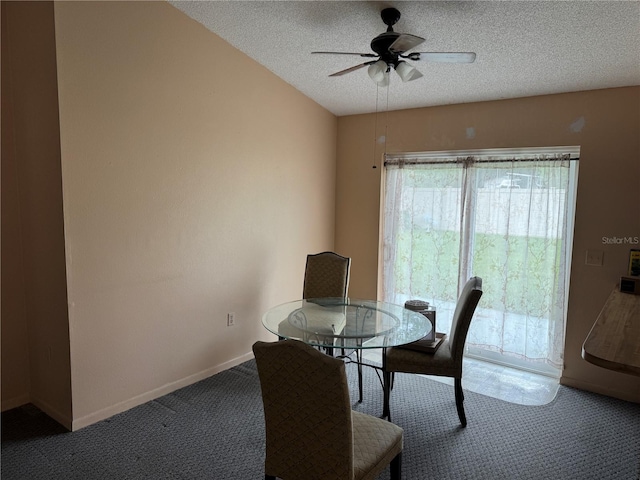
pixel 391 49
pixel 379 72
pixel 407 72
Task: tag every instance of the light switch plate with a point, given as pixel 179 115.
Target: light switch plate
pixel 594 258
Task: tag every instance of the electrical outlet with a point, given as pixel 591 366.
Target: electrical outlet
pixel 231 319
pixel 594 257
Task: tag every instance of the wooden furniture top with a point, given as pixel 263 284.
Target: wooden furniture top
pixel 614 339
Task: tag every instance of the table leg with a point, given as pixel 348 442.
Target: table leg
pixel 358 353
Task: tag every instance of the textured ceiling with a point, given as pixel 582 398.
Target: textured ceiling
pixel 523 48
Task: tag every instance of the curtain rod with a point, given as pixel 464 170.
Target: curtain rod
pixel 399 161
pixel 516 154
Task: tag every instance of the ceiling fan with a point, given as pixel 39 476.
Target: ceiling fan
pixel 391 49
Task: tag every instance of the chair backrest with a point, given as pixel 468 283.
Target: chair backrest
pixel 465 308
pixel 307 412
pixel 326 275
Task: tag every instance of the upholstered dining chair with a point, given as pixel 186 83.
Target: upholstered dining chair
pixel 447 359
pixel 326 275
pixel 311 431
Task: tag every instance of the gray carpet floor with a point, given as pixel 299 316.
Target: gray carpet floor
pixel 214 430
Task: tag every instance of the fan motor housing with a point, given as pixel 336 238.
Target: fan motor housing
pixel 381 45
pixel 382 42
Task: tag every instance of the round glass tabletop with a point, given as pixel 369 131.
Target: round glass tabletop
pixel 346 323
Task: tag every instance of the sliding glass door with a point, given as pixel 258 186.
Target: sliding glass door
pixel 506 218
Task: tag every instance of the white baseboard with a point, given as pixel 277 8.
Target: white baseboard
pixel 156 393
pixel 609 392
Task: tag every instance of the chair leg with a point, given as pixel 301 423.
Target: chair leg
pixel 459 401
pixel 269 477
pixel 396 467
pixel 386 394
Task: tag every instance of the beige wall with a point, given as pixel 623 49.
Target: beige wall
pixel 35 332
pixel 195 182
pixel 604 123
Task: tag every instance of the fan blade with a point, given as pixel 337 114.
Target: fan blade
pixel 443 57
pixel 405 42
pixel 369 55
pixel 351 69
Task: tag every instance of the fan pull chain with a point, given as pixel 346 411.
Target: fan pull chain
pixel 375 128
pixel 386 119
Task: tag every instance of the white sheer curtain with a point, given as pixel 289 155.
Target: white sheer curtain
pixel 505 219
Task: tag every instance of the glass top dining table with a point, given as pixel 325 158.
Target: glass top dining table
pixel 346 322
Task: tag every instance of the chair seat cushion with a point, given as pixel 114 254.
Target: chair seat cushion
pixel 410 361
pixel 375 442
